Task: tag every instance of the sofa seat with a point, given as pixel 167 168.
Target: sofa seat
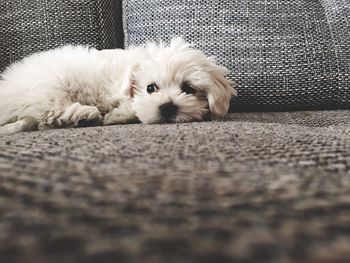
pixel 268 187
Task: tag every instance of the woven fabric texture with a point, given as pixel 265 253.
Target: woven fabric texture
pixel 258 187
pixel 283 55
pixel 30 26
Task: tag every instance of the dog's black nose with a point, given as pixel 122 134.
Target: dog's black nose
pixel 168 111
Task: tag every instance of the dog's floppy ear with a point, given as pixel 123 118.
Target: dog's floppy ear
pixel 128 83
pixel 219 93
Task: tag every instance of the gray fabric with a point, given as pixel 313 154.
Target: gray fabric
pixel 30 26
pixel 284 55
pixel 254 188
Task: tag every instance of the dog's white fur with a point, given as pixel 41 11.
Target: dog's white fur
pixel 71 84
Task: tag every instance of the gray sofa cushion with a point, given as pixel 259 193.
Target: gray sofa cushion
pixel 30 26
pixel 284 55
pixel 258 187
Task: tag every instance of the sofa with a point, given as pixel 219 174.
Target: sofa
pixel 269 183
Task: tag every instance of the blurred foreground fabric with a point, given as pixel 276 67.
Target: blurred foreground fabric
pixel 257 187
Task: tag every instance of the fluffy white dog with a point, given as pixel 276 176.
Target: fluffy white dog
pixel 79 86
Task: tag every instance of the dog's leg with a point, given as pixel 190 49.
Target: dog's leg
pixel 24 124
pixel 121 115
pixel 75 115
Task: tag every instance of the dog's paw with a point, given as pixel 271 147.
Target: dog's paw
pixel 78 115
pixel 118 116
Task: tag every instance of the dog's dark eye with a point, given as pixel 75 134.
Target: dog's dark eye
pixel 186 87
pixel 151 88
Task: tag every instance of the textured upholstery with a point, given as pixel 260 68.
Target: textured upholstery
pixel 30 26
pixel 268 187
pixel 257 187
pixel 284 55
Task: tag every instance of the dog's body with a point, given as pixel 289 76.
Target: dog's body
pixel 77 86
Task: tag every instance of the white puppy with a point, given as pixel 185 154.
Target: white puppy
pixel 79 86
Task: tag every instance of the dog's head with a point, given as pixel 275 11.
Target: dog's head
pixel 177 83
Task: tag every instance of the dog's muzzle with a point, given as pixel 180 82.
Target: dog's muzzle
pixel 168 112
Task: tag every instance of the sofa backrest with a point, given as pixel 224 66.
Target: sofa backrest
pixel 30 26
pixel 283 55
